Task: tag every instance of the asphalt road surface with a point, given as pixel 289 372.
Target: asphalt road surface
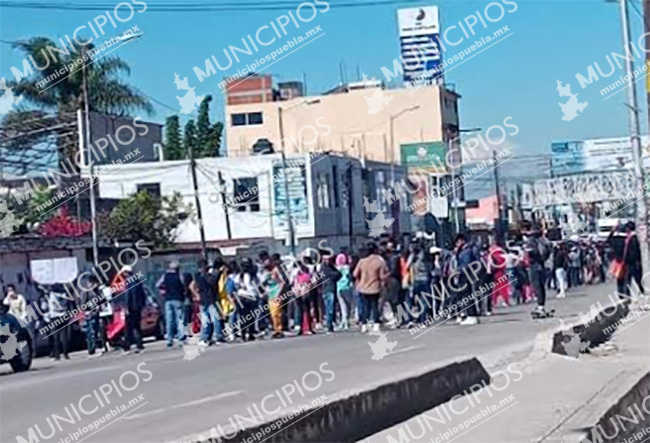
pixel 171 399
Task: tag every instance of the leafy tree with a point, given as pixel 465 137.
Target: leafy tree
pixel 208 135
pixel 203 128
pixel 145 217
pixel 173 146
pixel 215 138
pixel 190 138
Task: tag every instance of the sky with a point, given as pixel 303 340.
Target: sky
pixel 550 41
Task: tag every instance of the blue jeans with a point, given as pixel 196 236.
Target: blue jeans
pixel 420 304
pixel 174 316
pixel 92 326
pixel 262 318
pixel 209 318
pixel 330 304
pixel 370 308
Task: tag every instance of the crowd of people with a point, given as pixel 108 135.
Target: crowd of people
pixel 389 285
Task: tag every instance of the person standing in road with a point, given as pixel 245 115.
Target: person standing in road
pixel 203 289
pixel 632 258
pixel 329 278
pixel 344 290
pixel 421 286
pixel 274 287
pixel 464 300
pixel 370 274
pixel 246 286
pixel 392 290
pixel 15 302
pixel 135 301
pixel 58 307
pixel 91 299
pixel 538 252
pixel 171 286
pixel 560 260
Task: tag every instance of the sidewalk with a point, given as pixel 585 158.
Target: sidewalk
pixel 543 397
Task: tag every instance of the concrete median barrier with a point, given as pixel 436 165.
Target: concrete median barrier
pixel 356 415
pixel 592 332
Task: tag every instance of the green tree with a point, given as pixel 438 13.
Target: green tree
pixel 189 138
pixel 145 217
pixel 173 147
pixel 208 136
pixel 203 128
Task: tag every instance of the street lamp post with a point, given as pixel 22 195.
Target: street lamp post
pixel 453 173
pixel 635 138
pixel 392 139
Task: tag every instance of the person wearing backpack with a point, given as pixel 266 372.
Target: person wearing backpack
pixel 538 253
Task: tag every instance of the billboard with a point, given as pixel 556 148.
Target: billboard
pixel 296 177
pixel 428 156
pixel 596 155
pixel 419 33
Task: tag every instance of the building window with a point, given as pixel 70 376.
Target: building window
pixel 255 118
pixel 238 119
pixel 247 194
pixel 335 174
pixel 323 190
pixel 250 118
pixel 152 189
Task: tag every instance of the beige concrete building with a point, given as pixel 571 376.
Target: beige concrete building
pixel 362 120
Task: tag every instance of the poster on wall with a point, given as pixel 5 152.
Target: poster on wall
pixel 296 177
pixel 54 270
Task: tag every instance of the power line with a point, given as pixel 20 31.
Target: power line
pixel 199 7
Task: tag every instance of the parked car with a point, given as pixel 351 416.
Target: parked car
pixel 152 323
pixel 13 334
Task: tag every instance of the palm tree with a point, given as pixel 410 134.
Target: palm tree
pixel 108 93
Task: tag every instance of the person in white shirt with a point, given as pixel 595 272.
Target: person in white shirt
pixel 16 303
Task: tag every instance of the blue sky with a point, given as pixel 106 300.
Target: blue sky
pixel 551 40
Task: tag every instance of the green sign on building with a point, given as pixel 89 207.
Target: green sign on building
pixel 425 155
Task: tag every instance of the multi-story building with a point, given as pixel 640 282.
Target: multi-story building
pixel 412 127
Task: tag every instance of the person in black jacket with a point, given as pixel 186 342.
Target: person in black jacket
pixel 632 257
pixel 135 299
pixel 174 292
pixel 329 276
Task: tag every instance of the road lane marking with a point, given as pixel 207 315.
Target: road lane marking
pixel 122 416
pixel 183 405
pixel 406 349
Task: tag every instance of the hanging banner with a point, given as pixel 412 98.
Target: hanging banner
pixel 54 270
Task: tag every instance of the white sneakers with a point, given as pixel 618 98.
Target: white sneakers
pixel 374 327
pixel 470 321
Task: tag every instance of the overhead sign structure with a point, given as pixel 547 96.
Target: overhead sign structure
pixel 596 155
pixel 419 33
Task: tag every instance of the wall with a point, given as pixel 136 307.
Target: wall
pixel 342 123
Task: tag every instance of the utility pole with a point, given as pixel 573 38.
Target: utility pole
pixel 635 136
pixel 197 202
pixel 222 190
pixel 285 176
pixel 498 225
pixel 91 163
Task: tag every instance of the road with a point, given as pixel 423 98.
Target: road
pixel 181 398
